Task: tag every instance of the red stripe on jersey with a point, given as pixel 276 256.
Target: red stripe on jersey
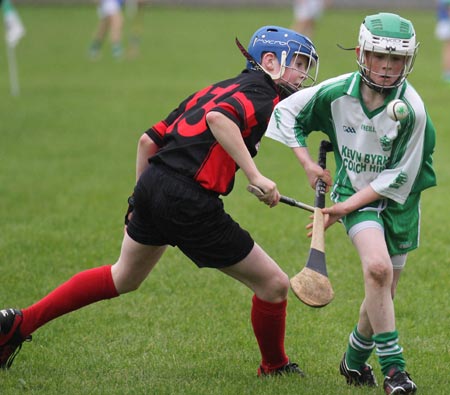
pixel 160 128
pixel 217 162
pixel 250 116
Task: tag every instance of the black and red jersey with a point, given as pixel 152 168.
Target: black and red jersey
pixel 186 142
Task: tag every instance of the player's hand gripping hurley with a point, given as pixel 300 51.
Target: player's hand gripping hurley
pixel 312 285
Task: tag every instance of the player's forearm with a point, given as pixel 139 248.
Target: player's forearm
pixel 312 169
pixel 360 199
pixel 303 156
pixel 228 135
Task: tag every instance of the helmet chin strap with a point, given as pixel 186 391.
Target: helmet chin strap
pixel 285 90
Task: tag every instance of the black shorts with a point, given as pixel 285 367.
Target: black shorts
pixel 173 209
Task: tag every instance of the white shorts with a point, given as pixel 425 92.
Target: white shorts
pixel 308 9
pixel 443 30
pixel 108 8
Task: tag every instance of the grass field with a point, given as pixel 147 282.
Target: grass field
pixel 67 153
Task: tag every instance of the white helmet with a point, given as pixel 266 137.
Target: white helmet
pixel 388 34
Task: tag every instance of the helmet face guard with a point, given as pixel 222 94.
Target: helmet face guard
pixel 393 36
pixel 287 45
pixel 296 50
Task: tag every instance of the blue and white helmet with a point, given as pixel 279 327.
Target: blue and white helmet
pixel 285 44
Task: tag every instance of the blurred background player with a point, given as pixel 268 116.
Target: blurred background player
pixel 382 166
pixel 184 163
pixel 134 14
pixel 306 15
pixel 443 34
pixel 110 21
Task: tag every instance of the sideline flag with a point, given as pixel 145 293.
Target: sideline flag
pixel 14 31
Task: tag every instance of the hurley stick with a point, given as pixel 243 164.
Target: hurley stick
pixel 312 285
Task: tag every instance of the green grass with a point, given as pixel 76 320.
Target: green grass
pixel 67 152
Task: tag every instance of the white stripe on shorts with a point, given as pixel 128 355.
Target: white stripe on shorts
pixel 398 261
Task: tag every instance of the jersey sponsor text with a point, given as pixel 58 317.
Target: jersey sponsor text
pixel 358 162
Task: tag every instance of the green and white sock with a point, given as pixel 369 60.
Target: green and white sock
pixel 94 48
pixel 117 50
pixel 389 351
pixel 446 76
pixel 358 350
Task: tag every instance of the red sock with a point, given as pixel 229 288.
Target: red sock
pixel 269 324
pixel 82 289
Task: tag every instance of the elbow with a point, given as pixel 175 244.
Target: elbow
pixel 144 141
pixel 146 144
pixel 213 118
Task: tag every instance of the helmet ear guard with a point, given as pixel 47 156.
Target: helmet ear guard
pixel 284 44
pixel 282 66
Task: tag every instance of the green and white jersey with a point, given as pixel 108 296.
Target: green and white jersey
pixel 394 157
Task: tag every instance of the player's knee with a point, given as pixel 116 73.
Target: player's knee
pixel 278 287
pixel 379 272
pixel 124 282
pixel 127 286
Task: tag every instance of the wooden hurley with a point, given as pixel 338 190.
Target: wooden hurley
pixel 312 285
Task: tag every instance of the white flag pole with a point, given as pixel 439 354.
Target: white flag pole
pixel 14 31
pixel 13 75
